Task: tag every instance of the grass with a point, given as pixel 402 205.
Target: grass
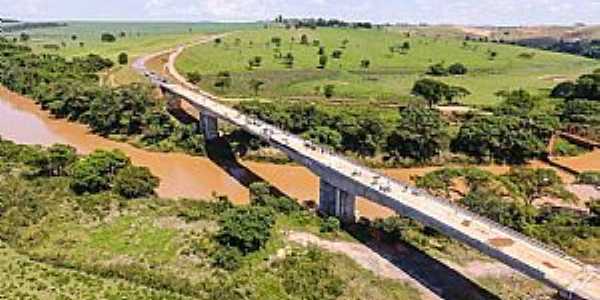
pixel 23 278
pixel 390 76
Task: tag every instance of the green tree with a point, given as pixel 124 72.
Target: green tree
pixel 533 184
pixel 328 90
pixel 223 80
pixel 322 61
pixel 325 136
pixel 365 64
pixel 135 182
pixel 288 60
pixel 304 39
pixel 457 69
pixel 54 161
pixel 421 134
pixel 24 37
pixel 431 90
pixel 108 38
pixel 337 54
pixel 454 92
pixel 94 173
pixel 437 70
pixel 123 58
pixel 245 228
pixel 256 85
pixel 194 77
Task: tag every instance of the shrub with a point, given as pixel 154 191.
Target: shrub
pixel 226 258
pixel 457 69
pixel 123 59
pixel 328 90
pixel 591 177
pixel 135 182
pixel 194 77
pixel 245 228
pixel 564 148
pixel 331 224
pixel 108 38
pixel 437 70
pixel 94 173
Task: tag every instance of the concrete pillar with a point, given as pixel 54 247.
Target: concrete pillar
pixel 209 125
pixel 336 202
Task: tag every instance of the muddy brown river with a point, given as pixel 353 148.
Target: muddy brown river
pixel 182 175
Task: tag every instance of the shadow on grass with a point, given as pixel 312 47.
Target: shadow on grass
pixel 440 279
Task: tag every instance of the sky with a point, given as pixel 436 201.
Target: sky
pixel 468 12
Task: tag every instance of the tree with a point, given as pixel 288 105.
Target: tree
pixel 245 228
pixel 322 61
pixel 337 54
pixel 328 90
pixel 122 34
pixel 123 58
pixel 321 51
pixel 94 173
pixel 223 80
pixel 454 92
pixel 325 136
pixel 331 224
pixel 421 134
pixel 405 46
pixel 431 90
pixel 24 37
pixel 54 161
pixel 304 39
pixel 255 62
pixel 256 85
pixel 288 60
pixel 533 184
pixel 457 69
pixel 218 41
pixel 194 77
pixel 73 37
pixel 365 64
pixel 565 90
pixel 108 38
pixel 437 70
pixel 135 182
pixel 505 138
pixel 276 41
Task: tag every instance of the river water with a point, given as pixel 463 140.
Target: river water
pixel 181 175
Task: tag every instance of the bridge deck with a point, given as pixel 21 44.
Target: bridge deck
pixel 544 263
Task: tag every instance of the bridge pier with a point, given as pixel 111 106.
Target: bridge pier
pixel 209 125
pixel 336 202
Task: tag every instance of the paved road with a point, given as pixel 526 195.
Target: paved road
pixel 526 255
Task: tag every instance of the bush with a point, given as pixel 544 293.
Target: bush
pixel 564 148
pixel 437 70
pixel 245 228
pixel 328 90
pixel 331 224
pixel 123 58
pixel 261 195
pixel 94 173
pixel 108 38
pixel 226 258
pixel 135 182
pixel 194 77
pixel 591 177
pixel 457 69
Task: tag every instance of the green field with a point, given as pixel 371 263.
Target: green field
pixel 139 39
pixel 390 76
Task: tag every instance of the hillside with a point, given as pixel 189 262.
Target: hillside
pixel 389 76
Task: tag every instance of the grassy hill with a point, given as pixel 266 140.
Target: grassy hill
pixel 390 76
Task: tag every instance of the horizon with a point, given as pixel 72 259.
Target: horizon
pixel 432 12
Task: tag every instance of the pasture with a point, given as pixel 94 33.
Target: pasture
pixel 390 75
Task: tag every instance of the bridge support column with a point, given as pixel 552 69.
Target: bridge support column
pixel 336 202
pixel 209 125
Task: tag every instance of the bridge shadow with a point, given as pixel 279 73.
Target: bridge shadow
pixel 220 152
pixel 182 116
pixel 440 279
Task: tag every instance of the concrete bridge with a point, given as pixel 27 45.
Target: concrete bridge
pixel 342 180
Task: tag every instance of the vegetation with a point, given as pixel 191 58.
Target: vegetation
pixel 589 178
pixel 389 77
pixel 55 243
pixel 70 89
pixel 509 199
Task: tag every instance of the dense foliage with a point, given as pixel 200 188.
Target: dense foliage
pixel 70 89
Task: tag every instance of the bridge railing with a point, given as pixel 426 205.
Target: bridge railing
pixel 409 189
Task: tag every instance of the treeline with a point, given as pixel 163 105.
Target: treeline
pixel 71 89
pixel 314 23
pixel 17 26
pixel 517 131
pixel 582 100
